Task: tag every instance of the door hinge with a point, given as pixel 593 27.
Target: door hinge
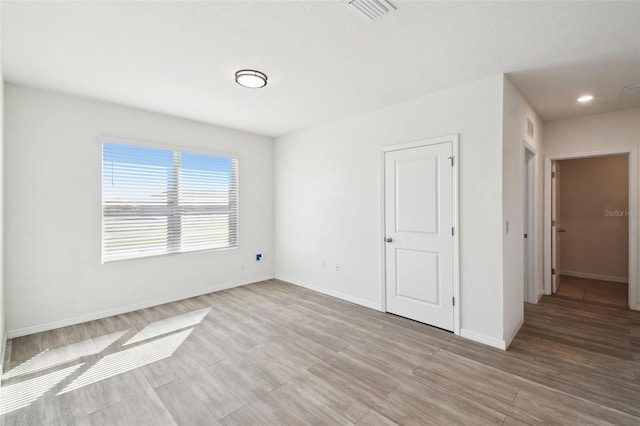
pixel 453 300
pixel 451 158
pixel 452 231
pixel 553 271
pixel 525 235
pixel 553 174
pixel 553 223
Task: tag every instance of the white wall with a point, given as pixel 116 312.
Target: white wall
pixel 328 199
pixel 2 298
pixel 608 131
pixel 54 275
pixel 515 113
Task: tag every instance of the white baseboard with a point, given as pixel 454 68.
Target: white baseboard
pixel 485 340
pixel 511 334
pixel 333 293
pixel 3 352
pixel 539 292
pixel 24 331
pixel 594 276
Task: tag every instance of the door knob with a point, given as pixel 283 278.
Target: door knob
pixel 562 230
pixel 388 239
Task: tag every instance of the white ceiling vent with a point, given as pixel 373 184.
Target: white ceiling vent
pixel 631 91
pixel 530 128
pixel 371 9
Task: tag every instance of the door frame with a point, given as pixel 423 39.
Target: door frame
pixel 633 207
pixel 553 235
pixel 531 293
pixel 456 236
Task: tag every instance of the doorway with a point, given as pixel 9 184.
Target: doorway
pixel 530 291
pixel 592 228
pixel 420 242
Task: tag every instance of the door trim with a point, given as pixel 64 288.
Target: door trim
pixel 633 224
pixel 453 139
pixel 532 292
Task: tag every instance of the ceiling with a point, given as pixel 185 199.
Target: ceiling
pixel 324 61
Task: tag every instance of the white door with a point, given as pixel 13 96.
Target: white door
pixel 419 233
pixel 555 198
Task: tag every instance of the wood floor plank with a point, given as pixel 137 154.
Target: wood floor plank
pixel 300 341
pixel 139 404
pixel 268 410
pixel 401 356
pixel 546 352
pixel 333 397
pixel 284 360
pixel 296 401
pixel 470 377
pixel 350 384
pixel 549 407
pixel 374 375
pixel 414 403
pixel 168 370
pixel 89 399
pixel 591 340
pixel 415 347
pixel 511 421
pixel 213 393
pixel 591 388
pixel 184 405
pixel 506 361
pixel 245 377
pixel 373 418
pixel 243 417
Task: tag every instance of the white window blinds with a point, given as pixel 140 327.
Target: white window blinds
pixel 158 201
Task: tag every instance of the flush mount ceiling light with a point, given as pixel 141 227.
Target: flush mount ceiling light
pixel 251 78
pixel 585 98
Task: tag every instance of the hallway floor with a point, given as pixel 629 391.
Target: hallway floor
pixel 604 292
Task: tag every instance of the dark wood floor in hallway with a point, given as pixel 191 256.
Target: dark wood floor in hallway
pixel 274 353
pixel 594 291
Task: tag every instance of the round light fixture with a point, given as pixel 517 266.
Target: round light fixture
pixel 585 98
pixel 251 78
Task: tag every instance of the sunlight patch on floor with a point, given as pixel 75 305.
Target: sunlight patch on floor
pixel 129 359
pixel 22 394
pixel 169 325
pixel 57 356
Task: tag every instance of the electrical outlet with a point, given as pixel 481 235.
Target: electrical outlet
pixel 323 264
pixel 337 267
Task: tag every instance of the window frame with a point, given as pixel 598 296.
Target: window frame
pixel 187 149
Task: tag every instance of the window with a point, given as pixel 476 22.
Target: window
pixel 157 201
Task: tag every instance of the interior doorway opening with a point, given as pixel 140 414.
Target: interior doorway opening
pixel 591 228
pixel 530 291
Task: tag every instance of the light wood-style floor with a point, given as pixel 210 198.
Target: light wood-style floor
pixel 605 292
pixel 274 353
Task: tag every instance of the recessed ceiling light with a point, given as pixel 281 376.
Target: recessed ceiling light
pixel 251 78
pixel 585 98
